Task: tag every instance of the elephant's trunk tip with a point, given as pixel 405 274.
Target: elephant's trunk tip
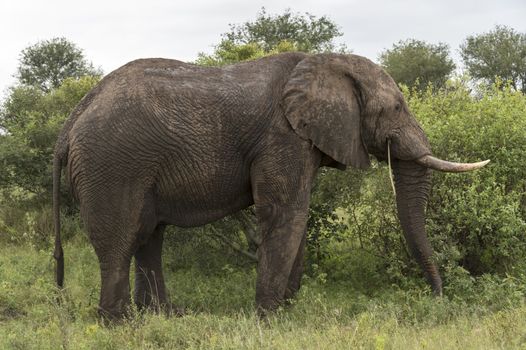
pixel 447 166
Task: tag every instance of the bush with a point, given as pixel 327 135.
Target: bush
pixel 476 220
pixel 31 120
pixel 482 215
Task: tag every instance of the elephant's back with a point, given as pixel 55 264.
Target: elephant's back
pixel 175 92
pixel 149 100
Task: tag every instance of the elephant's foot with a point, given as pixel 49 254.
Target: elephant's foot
pixel 150 297
pixel 115 298
pixel 114 315
pixel 263 313
pixel 293 286
pixel 267 306
pixel 290 294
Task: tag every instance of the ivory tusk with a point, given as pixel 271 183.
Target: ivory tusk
pixel 446 166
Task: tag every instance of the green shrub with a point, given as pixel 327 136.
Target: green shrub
pixel 482 215
pixel 476 221
pixel 31 120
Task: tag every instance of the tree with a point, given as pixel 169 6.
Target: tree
pixel 417 63
pixel 498 53
pixel 306 32
pixel 53 77
pixel 31 120
pixel 226 52
pixel 47 63
pixel 272 34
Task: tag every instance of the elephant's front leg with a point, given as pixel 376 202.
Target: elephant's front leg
pixel 283 229
pixel 281 190
pixel 296 273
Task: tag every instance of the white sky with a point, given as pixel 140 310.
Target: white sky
pixel 113 32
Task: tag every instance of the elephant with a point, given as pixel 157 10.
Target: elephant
pixel 162 142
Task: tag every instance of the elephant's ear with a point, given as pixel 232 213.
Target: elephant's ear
pixel 322 104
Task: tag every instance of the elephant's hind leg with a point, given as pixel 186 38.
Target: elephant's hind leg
pixel 150 290
pixel 114 253
pixel 116 223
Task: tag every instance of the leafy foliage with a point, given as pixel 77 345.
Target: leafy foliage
pixel 482 214
pixel 270 34
pixel 32 119
pixel 476 221
pixel 417 63
pixel 227 52
pixel 48 63
pixel 499 53
pixel 333 190
pixel 306 32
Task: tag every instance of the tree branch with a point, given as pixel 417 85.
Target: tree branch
pixel 228 242
pixel 249 227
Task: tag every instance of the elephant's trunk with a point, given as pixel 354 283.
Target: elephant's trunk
pixel 413 183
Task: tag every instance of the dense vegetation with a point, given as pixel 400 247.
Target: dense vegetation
pixel 418 64
pixel 361 288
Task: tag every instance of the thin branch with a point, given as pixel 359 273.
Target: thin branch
pixel 249 227
pixel 232 245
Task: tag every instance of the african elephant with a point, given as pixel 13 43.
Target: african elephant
pixel 161 142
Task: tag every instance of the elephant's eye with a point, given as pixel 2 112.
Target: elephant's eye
pixel 398 107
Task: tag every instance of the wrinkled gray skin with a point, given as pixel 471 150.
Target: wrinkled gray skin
pixel 161 142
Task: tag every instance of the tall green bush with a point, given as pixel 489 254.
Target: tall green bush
pixel 31 120
pixel 476 221
pixel 480 214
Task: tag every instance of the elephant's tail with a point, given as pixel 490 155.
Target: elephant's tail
pixel 59 253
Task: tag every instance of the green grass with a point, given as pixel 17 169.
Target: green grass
pixel 485 313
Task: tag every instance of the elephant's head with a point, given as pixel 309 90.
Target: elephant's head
pixel 349 108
